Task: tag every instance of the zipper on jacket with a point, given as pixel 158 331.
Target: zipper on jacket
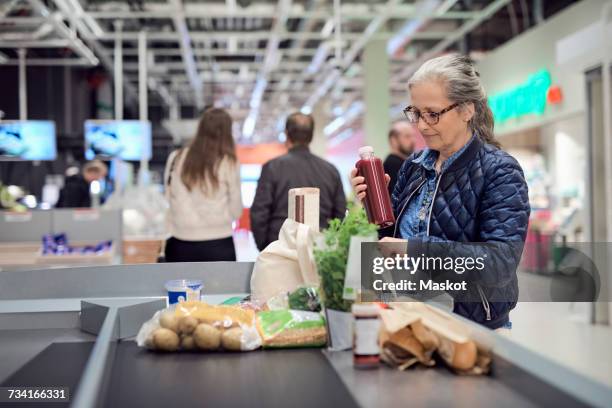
pixel 483 298
pixel 399 216
pixel 433 199
pixel 485 302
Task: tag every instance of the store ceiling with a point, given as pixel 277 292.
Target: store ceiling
pixel 260 59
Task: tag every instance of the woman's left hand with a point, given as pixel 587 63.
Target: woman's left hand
pixel 393 246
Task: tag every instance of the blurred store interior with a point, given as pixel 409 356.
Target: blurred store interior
pixel 73 71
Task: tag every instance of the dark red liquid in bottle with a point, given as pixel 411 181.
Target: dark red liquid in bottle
pixel 377 202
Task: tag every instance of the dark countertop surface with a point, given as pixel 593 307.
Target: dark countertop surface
pixel 281 378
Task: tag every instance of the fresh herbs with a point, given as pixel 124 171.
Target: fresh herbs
pixel 332 256
pixel 305 298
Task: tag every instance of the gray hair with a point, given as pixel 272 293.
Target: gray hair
pixel 463 85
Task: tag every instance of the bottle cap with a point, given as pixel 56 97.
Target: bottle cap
pixel 365 151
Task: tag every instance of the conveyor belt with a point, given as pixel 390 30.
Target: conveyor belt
pixel 279 378
pixel 507 387
pixel 139 378
pixel 271 378
pixel 59 365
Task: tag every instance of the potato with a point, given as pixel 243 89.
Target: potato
pixel 149 343
pixel 188 324
pixel 231 339
pixel 165 340
pixel 188 343
pixel 168 320
pixel 207 337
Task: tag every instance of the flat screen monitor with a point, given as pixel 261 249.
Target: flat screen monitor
pixel 128 140
pixel 27 140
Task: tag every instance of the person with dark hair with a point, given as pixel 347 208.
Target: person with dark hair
pixel 203 188
pixel 401 141
pixel 75 193
pixel 298 168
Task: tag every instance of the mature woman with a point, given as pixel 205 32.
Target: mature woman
pixel 462 196
pixel 203 187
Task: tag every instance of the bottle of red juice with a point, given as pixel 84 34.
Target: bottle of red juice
pixel 377 202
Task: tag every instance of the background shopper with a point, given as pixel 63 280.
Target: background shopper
pixel 402 142
pixel 461 189
pixel 203 189
pixel 298 168
pixel 76 193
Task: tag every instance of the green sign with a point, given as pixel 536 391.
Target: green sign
pixel 528 98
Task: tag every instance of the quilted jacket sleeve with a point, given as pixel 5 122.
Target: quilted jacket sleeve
pixel 502 218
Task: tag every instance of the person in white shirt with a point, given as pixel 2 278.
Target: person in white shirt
pixel 203 188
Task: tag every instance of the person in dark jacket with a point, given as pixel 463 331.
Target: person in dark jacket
pixel 401 141
pixel 298 168
pixel 75 193
pixel 461 197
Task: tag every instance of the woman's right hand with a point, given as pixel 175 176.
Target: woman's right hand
pixel 359 186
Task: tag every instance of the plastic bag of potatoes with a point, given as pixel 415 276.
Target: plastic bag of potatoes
pixel 197 326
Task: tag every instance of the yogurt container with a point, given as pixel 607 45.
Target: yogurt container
pixel 180 290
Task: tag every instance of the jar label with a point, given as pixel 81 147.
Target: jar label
pixel 366 336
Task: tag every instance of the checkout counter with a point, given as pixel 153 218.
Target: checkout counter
pixel 75 328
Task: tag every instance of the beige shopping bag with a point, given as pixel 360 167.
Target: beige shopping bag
pixel 285 264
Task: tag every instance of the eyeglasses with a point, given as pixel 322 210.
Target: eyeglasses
pixel 431 118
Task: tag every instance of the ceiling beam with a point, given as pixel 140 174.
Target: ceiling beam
pixel 36 44
pixel 191 69
pixel 222 52
pixel 354 51
pixel 49 62
pixel 453 37
pixel 349 12
pixel 62 30
pixel 424 11
pixel 271 60
pixel 223 65
pixel 100 52
pixel 250 36
pixel 4 21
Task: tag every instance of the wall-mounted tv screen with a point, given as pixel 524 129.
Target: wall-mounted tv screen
pixel 128 140
pixel 27 140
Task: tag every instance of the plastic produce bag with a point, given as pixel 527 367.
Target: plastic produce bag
pixel 198 326
pixel 291 328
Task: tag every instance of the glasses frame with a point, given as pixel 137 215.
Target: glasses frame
pixel 413 109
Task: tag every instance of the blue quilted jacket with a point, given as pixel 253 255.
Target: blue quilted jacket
pixel 480 209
